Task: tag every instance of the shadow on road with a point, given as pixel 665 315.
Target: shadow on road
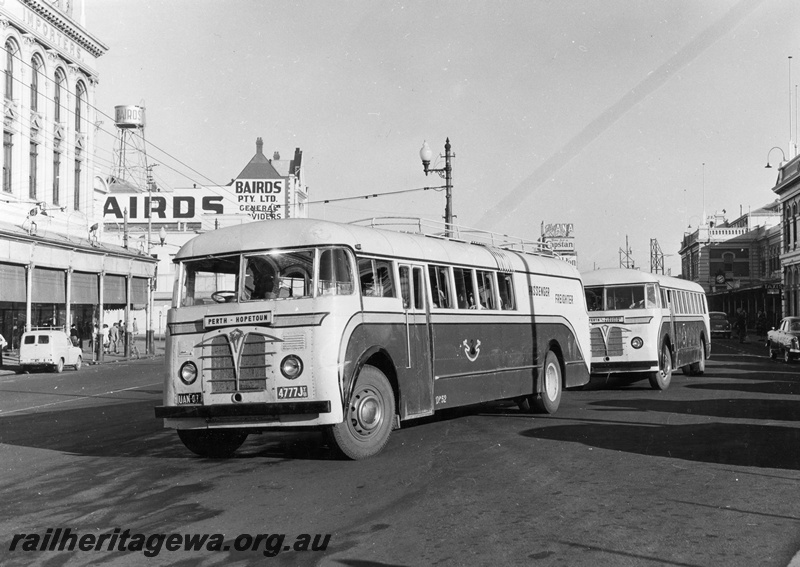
pixel 721 443
pixel 781 410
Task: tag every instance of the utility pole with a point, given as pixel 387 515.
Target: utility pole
pixel 149 340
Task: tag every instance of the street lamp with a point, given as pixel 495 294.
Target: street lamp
pixel 445 173
pixel 768 166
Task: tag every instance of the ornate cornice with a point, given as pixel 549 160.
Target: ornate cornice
pixel 66 26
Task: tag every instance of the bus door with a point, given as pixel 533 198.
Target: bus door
pixel 418 393
pixel 670 304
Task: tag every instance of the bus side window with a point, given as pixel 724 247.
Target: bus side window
pixel 505 287
pixel 440 286
pixel 335 275
pixel 652 296
pixel 419 289
pixel 486 289
pixel 464 291
pixel 405 287
pixel 375 277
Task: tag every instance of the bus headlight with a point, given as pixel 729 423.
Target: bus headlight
pixel 188 373
pixel 291 367
pixel 637 342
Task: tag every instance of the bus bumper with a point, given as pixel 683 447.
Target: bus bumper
pixel 243 410
pixel 613 367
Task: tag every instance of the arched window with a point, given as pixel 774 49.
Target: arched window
pixel 36 70
pixel 11 52
pixel 57 94
pixel 80 101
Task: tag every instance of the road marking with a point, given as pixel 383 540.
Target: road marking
pixel 79 398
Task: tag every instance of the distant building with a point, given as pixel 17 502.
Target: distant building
pixel 737 262
pixel 266 189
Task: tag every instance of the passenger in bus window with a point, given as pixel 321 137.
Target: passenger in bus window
pixel 485 290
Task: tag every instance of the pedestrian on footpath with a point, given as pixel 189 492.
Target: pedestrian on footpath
pixel 134 346
pixel 113 337
pixel 104 337
pixel 741 324
pixel 3 344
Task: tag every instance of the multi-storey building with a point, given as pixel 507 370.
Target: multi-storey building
pixel 737 262
pixel 787 187
pixel 54 269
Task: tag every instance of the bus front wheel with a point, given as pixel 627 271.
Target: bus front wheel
pixel 548 400
pixel 660 379
pixel 212 443
pixel 368 417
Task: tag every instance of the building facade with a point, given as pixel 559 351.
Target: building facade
pixel 54 268
pixel 737 262
pixel 787 187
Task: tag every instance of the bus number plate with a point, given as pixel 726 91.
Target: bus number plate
pixel 184 399
pixel 286 393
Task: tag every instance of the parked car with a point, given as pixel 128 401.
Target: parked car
pixel 785 340
pixel 720 326
pixel 48 348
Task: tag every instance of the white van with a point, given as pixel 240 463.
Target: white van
pixel 48 348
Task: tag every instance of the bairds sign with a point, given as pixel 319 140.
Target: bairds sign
pixel 163 207
pixel 257 199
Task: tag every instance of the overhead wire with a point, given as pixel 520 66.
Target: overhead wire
pixel 97 125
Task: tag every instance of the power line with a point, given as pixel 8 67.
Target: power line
pixel 17 55
pixel 374 195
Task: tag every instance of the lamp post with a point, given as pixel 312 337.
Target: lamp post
pixel 768 166
pixel 446 173
pixel 149 335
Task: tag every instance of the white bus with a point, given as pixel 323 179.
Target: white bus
pixel 642 322
pixel 355 329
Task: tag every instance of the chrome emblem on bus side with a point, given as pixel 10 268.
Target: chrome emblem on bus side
pixel 472 349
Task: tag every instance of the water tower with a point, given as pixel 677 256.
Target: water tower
pixel 130 153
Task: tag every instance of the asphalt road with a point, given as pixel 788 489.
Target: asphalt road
pixel 703 474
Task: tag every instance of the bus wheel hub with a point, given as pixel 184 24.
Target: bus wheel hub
pixel 367 411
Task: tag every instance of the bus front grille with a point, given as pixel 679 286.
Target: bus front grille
pixel 607 341
pixel 238 362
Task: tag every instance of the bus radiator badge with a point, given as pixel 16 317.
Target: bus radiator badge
pixel 472 349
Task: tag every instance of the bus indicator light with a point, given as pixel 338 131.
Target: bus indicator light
pixel 637 342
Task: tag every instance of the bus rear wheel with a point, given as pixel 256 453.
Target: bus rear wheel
pixel 548 400
pixel 368 417
pixel 212 443
pixel 660 379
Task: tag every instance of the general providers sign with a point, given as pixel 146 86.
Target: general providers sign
pixel 258 199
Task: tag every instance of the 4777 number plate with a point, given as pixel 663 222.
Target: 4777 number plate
pixel 289 392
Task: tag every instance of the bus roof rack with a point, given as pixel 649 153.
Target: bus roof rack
pixel 458 233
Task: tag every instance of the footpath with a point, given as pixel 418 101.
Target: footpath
pixel 11 357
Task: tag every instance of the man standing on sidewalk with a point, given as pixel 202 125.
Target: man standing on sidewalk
pixel 134 336
pixel 3 344
pixel 113 337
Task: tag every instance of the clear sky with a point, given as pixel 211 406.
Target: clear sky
pixel 626 118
